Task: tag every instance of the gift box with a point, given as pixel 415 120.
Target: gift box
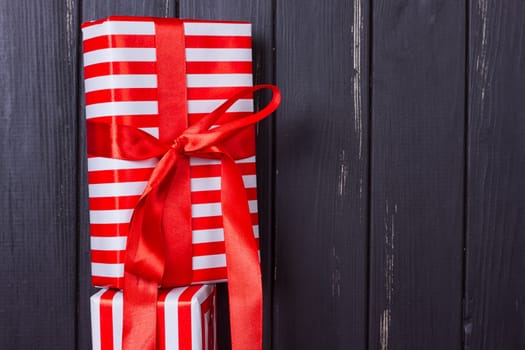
pixel 124 84
pixel 185 319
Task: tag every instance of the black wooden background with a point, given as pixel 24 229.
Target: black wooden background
pixel 392 179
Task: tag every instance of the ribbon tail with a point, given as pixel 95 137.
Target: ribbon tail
pixel 140 313
pixel 145 260
pixel 177 227
pixel 243 268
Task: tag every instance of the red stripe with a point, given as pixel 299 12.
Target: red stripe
pixel 108 256
pixel 200 171
pixel 99 281
pixel 114 95
pixel 161 322
pixel 211 222
pixel 218 41
pixel 107 68
pixel 110 203
pixel 109 230
pixel 110 41
pixel 213 170
pixel 185 341
pixel 106 319
pixel 214 274
pixel 203 197
pixel 202 249
pixel 119 175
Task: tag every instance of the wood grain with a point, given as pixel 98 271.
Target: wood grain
pixel 417 171
pixel 321 189
pixel 38 174
pixel 96 9
pixel 495 287
pixel 259 13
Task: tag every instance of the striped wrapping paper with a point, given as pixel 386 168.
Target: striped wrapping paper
pixel 121 87
pixel 186 319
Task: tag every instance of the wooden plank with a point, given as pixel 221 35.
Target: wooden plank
pixel 321 189
pixel 417 173
pixel 38 174
pixel 495 287
pixel 259 13
pixel 96 9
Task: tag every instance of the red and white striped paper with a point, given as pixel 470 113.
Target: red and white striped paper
pixel 186 319
pixel 121 87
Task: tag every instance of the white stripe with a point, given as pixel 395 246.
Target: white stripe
pixel 217 55
pixel 209 261
pixel 117 189
pixel 218 80
pixel 122 108
pixel 214 183
pixel 204 292
pixel 207 106
pixel 108 243
pixel 205 161
pixel 218 29
pixel 215 235
pixel 119 216
pixel 118 314
pixel 207 236
pixel 205 184
pixel 107 270
pixel 101 163
pixel 214 209
pixel 121 81
pixel 171 318
pixel 253 206
pixel 120 54
pixel 95 319
pixel 110 27
pixel 205 210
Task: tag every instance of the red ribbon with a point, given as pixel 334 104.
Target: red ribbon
pixel 164 207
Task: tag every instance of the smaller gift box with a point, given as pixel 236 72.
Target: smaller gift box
pixel 185 319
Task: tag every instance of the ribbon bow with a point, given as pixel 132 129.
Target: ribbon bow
pixel 159 250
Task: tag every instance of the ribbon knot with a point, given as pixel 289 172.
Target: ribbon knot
pixel 179 143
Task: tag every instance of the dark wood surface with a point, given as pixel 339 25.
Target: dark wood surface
pixel 321 164
pixel 495 287
pixel 416 233
pixel 38 174
pixel 391 180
